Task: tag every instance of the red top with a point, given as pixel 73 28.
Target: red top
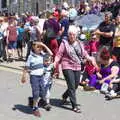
pixel 12 33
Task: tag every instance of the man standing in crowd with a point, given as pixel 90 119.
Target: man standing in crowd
pixel 51 30
pixel 106 31
pixel 116 49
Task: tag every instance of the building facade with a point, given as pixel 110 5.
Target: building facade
pixel 3 5
pixel 33 6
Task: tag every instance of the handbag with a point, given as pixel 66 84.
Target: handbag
pixel 80 58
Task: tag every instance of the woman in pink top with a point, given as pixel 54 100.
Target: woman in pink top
pixel 70 54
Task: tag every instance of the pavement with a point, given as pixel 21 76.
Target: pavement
pixel 13 100
pixel 18 66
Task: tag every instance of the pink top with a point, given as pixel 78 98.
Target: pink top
pixel 65 60
pixel 12 33
pixel 94 44
pixel 90 68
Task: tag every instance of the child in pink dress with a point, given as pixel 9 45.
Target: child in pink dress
pixel 94 45
pixel 91 71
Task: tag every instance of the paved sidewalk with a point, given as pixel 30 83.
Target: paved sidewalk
pixel 18 65
pixel 13 101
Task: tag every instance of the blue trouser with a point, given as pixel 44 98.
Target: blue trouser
pixel 37 85
pixel 72 78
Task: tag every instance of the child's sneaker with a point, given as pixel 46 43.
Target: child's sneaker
pixel 36 112
pixel 48 107
pixel 41 103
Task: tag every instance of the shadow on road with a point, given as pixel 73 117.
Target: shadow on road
pixel 22 108
pixel 53 101
pixel 59 103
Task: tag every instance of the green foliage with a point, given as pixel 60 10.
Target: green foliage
pixel 87 33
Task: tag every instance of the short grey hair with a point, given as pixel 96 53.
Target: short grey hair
pixel 73 29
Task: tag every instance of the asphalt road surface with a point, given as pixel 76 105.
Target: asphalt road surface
pixel 13 102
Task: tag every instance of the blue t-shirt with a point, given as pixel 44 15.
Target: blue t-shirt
pixel 65 23
pixel 21 33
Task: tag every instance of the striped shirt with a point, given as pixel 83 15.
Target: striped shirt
pixel 35 64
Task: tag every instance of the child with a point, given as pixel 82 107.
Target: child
pixel 35 67
pixel 94 45
pixel 48 71
pixel 91 71
pixel 20 41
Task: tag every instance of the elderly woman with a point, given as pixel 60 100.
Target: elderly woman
pixel 70 55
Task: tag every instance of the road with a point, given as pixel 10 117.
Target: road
pixel 13 101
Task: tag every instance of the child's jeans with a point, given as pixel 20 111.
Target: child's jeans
pixel 47 86
pixel 37 84
pixel 47 92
